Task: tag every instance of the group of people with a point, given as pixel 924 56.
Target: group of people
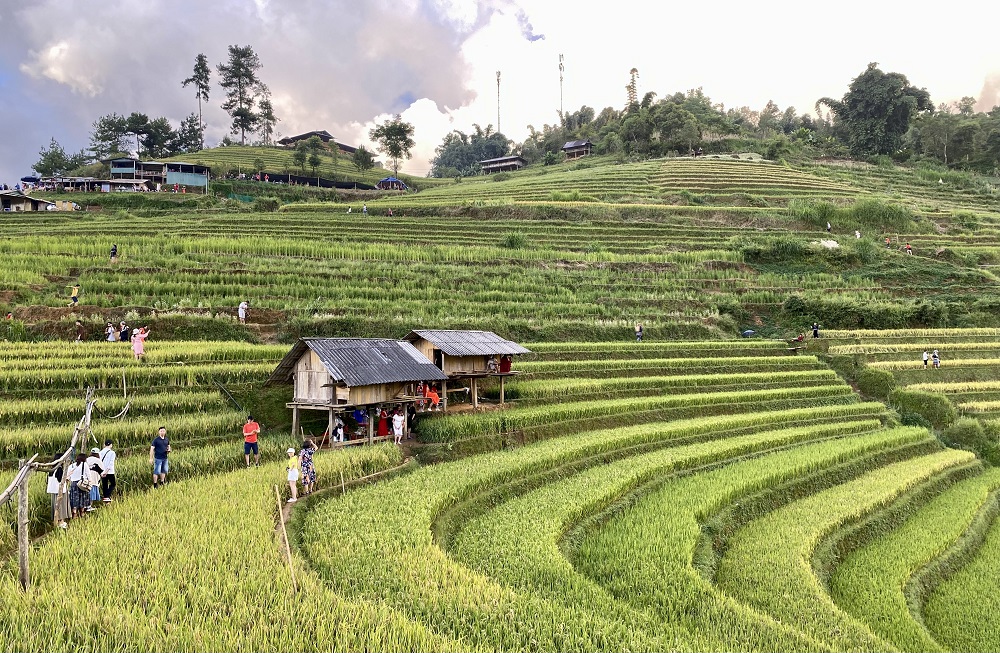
pixel 934 358
pixel 430 398
pixel 89 480
pixel 398 422
pixel 121 333
pixel 300 465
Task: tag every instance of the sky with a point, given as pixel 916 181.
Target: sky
pixel 345 65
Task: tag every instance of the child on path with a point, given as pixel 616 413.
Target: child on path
pixel 81 333
pixel 74 295
pixel 293 475
pixel 909 250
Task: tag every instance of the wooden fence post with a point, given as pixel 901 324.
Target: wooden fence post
pixel 23 541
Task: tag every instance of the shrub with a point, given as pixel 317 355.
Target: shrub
pixel 769 249
pixel 876 383
pixel 514 240
pixel 882 215
pixel 967 433
pixel 500 176
pixel 932 406
pixel 266 204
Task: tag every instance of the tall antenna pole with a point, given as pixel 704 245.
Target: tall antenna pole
pixel 562 69
pixel 498 101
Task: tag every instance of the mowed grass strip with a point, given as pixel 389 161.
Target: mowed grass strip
pixel 870 581
pixel 643 555
pixel 768 563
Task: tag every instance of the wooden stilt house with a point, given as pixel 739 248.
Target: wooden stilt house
pixel 467 355
pixel 343 375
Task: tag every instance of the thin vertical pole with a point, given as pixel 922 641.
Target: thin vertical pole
pixel 498 101
pixel 501 391
pixel 284 535
pixel 22 529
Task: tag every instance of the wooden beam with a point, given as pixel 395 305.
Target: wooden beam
pixel 501 391
pixel 475 394
pixel 295 420
pixel 23 543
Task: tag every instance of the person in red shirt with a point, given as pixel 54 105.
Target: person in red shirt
pixel 250 432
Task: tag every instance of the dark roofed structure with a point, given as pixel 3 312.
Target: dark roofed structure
pixel 576 149
pixel 324 136
pixel 502 164
pixel 339 374
pixel 468 355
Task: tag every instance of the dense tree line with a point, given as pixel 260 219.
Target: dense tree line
pixel 881 114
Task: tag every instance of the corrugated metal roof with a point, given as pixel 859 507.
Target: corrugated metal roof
pixel 511 159
pixel 468 343
pixel 572 144
pixel 362 361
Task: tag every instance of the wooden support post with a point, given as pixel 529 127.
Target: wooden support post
pixel 295 420
pixel 501 391
pixel 371 427
pixel 475 394
pixel 329 426
pixel 23 542
pixel 444 395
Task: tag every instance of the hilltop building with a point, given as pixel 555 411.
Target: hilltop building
pixel 502 164
pixel 325 136
pixel 576 149
pixel 136 172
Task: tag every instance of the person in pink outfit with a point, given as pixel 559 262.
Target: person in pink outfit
pixel 139 342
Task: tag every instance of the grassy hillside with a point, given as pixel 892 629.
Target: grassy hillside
pixel 279 160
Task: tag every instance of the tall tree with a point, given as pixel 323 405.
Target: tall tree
pixel 394 138
pixel 238 76
pixel 877 109
pixel 189 136
pixel 266 118
pixel 109 136
pixel 53 160
pixel 300 155
pixel 158 138
pixel 201 78
pixel 137 124
pixel 362 159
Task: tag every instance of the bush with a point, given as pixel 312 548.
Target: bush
pixel 266 205
pixel 500 176
pixel 967 433
pixel 514 240
pixel 876 383
pixel 770 249
pixel 882 215
pixel 932 406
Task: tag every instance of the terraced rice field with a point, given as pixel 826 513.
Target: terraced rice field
pixel 687 496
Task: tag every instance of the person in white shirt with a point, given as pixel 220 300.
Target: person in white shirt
pixel 95 469
pixel 398 419
pixel 242 312
pixel 108 482
pixel 79 499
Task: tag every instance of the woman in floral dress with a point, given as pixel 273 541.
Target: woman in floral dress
pixel 307 466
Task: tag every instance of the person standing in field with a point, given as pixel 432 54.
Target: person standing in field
pixel 815 329
pixel 123 332
pixel 926 358
pixel 112 332
pixel 74 295
pixel 108 482
pixel 293 475
pixel 383 424
pixel 158 452
pixel 139 342
pixel 242 311
pixel 936 359
pixel 95 470
pixel 909 249
pixel 638 333
pixel 250 432
pixel 60 500
pixel 308 468
pixel 114 253
pixel 829 227
pixel 81 333
pixel 398 420
pixel 364 208
pixel 79 497
pixel 888 242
